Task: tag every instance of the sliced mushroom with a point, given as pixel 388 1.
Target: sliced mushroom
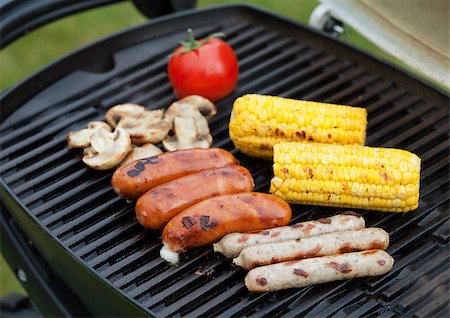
pixel 80 138
pixel 142 125
pixel 107 149
pixel 144 151
pixel 116 113
pixel 203 105
pixel 149 127
pixel 188 132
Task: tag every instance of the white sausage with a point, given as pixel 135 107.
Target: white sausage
pixel 232 244
pixel 318 270
pixel 321 245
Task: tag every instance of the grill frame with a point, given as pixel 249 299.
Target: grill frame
pixel 61 258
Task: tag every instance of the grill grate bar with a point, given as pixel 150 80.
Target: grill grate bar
pixel 437 306
pixel 99 226
pixel 373 93
pixel 154 266
pixel 246 304
pixel 245 35
pixel 281 46
pixel 170 273
pixel 399 229
pixel 435 185
pixel 386 100
pixel 350 91
pixel 183 287
pixel 17 148
pixel 141 255
pixel 245 52
pixel 354 73
pixel 434 135
pixel 46 176
pixel 51 200
pixel 433 168
pixel 132 242
pixel 53 187
pixel 391 124
pixel 419 296
pixel 106 238
pixel 328 74
pixel 366 308
pixel 31 155
pixel 412 131
pixel 413 275
pixel 416 234
pixel 268 64
pixel 307 303
pixel 85 217
pixel 341 301
pixel 158 80
pixel 288 81
pixel 40 166
pixel 211 307
pixel 82 206
pixel 201 295
pixel 380 118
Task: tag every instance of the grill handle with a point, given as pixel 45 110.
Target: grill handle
pixel 20 17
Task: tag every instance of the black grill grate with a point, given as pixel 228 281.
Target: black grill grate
pixel 79 209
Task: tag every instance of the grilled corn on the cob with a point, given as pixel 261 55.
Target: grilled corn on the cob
pixel 346 176
pixel 258 122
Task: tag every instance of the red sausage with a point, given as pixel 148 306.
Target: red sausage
pixel 208 221
pixel 142 175
pixel 158 206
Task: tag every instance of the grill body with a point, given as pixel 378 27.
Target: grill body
pixel 90 237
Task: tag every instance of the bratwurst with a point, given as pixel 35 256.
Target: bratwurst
pixel 232 244
pixel 211 219
pixel 158 206
pixel 315 246
pixel 142 175
pixel 318 270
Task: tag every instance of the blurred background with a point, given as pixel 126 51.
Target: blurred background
pixel 53 41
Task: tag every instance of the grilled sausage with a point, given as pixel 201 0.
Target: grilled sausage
pixel 208 221
pixel 158 206
pixel 318 270
pixel 321 245
pixel 142 175
pixel 232 244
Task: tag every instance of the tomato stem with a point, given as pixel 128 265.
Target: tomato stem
pixel 192 44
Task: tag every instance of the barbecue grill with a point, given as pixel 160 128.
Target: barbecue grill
pixel 83 252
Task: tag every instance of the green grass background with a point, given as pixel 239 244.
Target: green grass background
pixel 46 44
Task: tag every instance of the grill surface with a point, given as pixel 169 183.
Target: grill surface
pixel 91 238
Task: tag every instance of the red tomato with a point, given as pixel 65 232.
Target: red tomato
pixel 207 67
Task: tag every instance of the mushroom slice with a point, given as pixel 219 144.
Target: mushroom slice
pixel 144 151
pixel 107 149
pixel 114 115
pixel 149 127
pixel 188 132
pixel 203 105
pixel 80 138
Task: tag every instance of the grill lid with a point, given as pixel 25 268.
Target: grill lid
pixel 91 237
